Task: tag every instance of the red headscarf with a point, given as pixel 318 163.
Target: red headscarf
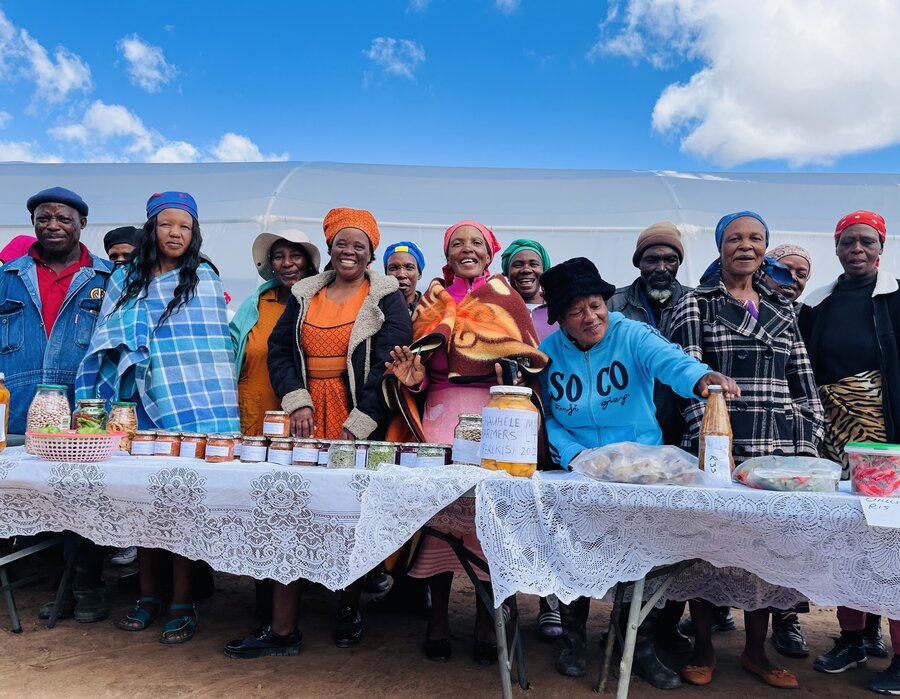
pixel 870 218
pixel 489 238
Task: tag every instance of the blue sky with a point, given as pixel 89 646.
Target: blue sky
pixel 645 84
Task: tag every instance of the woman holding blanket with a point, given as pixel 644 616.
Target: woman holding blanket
pixel 598 390
pixel 162 341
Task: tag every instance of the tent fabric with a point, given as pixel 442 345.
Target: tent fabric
pixel 596 213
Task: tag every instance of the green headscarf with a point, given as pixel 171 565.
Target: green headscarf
pixel 523 244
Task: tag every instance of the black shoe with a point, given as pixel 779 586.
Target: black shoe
pixel 376 582
pixel 874 643
pixel 265 642
pixel 723 621
pixel 649 668
pixel 674 641
pixel 843 656
pixel 66 606
pixel 888 680
pixel 349 628
pixel 787 637
pixel 439 650
pixel 571 663
pixel 484 653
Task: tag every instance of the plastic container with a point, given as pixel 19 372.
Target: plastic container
pixel 219 448
pixel 874 469
pixel 143 443
pixel 305 452
pixel 254 450
pixel 342 454
pixel 123 418
pixel 715 454
pixel 467 440
pixel 276 423
pixel 49 409
pixel 281 451
pixel 509 431
pixel 381 453
pixel 4 411
pixel 167 444
pixel 71 447
pixel 433 455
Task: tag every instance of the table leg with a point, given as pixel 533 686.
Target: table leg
pixel 634 614
pixel 612 634
pixel 502 653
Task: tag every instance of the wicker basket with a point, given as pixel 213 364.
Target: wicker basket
pixel 73 447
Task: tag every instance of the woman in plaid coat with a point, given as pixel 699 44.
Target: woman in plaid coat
pixel 740 327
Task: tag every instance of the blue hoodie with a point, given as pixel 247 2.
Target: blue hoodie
pixel 605 395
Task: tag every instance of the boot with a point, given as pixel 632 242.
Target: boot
pixel 90 596
pixel 647 664
pixel 572 660
pixel 872 638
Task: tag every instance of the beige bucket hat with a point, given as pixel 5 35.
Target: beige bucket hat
pixel 264 242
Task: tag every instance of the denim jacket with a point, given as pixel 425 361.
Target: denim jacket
pixel 27 356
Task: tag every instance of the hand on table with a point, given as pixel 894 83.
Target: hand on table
pixel 302 424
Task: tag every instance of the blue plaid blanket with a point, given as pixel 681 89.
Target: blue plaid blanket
pixel 181 372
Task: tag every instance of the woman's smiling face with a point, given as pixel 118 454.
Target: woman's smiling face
pixel 467 252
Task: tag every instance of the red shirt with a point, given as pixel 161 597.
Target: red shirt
pixel 53 287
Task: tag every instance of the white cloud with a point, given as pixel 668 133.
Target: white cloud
pixel 25 151
pixel 507 6
pixel 234 148
pixel 147 65
pixel 175 152
pixel 396 56
pixel 806 81
pixel 5 118
pixel 103 123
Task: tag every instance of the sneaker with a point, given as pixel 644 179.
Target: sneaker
pixel 349 628
pixel 842 657
pixel 888 680
pixel 124 557
pixel 265 642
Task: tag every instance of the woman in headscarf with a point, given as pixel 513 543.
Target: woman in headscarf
pixel 162 341
pixel 463 325
pixel 523 263
pixel 405 261
pixel 326 362
pixel 799 263
pixel 739 326
pixel 851 329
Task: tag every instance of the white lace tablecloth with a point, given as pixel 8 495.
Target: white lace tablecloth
pixel 266 521
pixel 567 535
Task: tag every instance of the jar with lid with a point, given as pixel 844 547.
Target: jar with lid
pixel 408 454
pixel 467 440
pixel 90 415
pixel 433 455
pixel 254 450
pixel 342 454
pixel 220 448
pixel 324 446
pixel 143 443
pixel 193 445
pixel 238 445
pixel 4 411
pixel 381 453
pixel 305 452
pixel 362 453
pixel 123 418
pixel 167 444
pixel 281 451
pixel 715 454
pixel 276 423
pixel 49 409
pixel 509 431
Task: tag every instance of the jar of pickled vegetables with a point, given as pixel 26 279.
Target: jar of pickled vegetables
pixel 123 418
pixel 254 450
pixel 432 455
pixel 381 453
pixel 277 423
pixel 143 443
pixel 342 454
pixel 305 452
pixel 281 451
pixel 89 416
pixel 220 448
pixel 467 440
pixel 509 431
pixel 193 445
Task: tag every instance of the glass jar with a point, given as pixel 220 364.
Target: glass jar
pixel 305 452
pixel 324 446
pixel 49 410
pixel 381 453
pixel 342 454
pixel 276 423
pixel 281 451
pixel 238 445
pixel 509 431
pixel 123 418
pixel 432 455
pixel 219 448
pixel 89 416
pixel 143 443
pixel 467 440
pixel 4 411
pixel 362 453
pixel 254 450
pixel 408 454
pixel 167 444
pixel 193 445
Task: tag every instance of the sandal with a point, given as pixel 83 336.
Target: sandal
pixel 185 624
pixel 550 625
pixel 139 618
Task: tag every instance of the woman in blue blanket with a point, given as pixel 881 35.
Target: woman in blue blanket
pixel 162 341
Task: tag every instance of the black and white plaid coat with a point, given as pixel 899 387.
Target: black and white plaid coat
pixel 779 411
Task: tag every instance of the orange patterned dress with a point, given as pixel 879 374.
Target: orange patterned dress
pixel 325 338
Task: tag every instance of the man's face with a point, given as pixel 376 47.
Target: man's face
pixel 658 266
pixel 121 253
pixel 58 228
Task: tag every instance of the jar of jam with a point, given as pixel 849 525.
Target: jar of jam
pixel 254 450
pixel 467 440
pixel 238 444
pixel 123 418
pixel 167 444
pixel 277 423
pixel 362 453
pixel 193 445
pixel 509 429
pixel 433 455
pixel 220 448
pixel 324 446
pixel 342 454
pixel 281 451
pixel 90 415
pixel 143 443
pixel 381 453
pixel 305 452
pixel 408 454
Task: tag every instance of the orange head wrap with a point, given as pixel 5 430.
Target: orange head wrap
pixel 338 219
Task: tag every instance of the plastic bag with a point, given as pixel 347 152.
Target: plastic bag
pixel 630 462
pixel 803 474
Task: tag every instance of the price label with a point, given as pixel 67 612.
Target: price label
pixel 717 459
pixel 881 512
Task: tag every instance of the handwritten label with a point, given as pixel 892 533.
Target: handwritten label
pixel 163 448
pixel 142 448
pixel 717 459
pixel 408 459
pixel 304 455
pixel 253 453
pixel 881 512
pixel 509 435
pixel 429 461
pixel 275 429
pixel 465 451
pixel 218 450
pixel 280 456
pixel 361 454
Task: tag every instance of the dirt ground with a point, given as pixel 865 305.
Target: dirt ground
pixel 97 660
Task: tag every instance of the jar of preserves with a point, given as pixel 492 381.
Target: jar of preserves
pixel 238 445
pixel 276 423
pixel 281 451
pixel 362 453
pixel 123 418
pixel 381 453
pixel 305 452
pixel 433 455
pixel 193 445
pixel 219 448
pixel 254 450
pixel 467 440
pixel 143 443
pixel 342 454
pixel 89 416
pixel 509 431
pixel 167 444
pixel 715 454
pixel 4 411
pixel 49 409
pixel 324 446
pixel 408 454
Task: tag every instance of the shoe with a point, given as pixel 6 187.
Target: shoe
pixel 124 557
pixel 787 637
pixel 549 626
pixel 842 657
pixel 66 606
pixel 90 605
pixel 265 642
pixel 376 582
pixel 484 653
pixel 572 661
pixel 674 641
pixel 888 680
pixel 186 625
pixel 723 621
pixel 776 677
pixel 349 629
pixel 699 675
pixel 650 668
pixel 873 640
pixel 144 612
pixel 438 650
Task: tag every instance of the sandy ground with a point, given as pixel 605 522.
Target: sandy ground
pixel 97 660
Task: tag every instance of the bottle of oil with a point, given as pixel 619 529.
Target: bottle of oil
pixel 715 453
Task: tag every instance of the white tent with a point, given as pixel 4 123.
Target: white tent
pixel 596 213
